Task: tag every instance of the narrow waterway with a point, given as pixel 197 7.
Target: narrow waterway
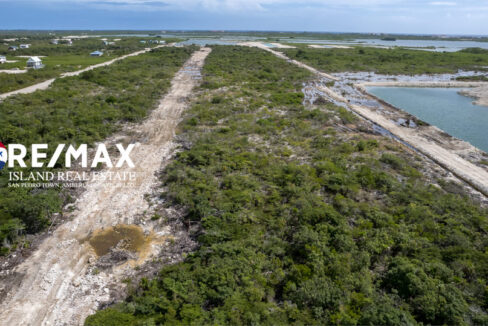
pixel 443 108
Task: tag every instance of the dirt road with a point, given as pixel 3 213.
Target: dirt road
pixel 282 56
pixel 56 287
pixel 13 71
pixel 45 84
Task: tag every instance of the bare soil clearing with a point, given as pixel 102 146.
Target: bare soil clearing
pixel 58 284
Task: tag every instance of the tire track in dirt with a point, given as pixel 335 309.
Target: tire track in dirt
pixel 56 288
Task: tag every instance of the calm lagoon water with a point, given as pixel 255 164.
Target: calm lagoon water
pixel 432 45
pixel 204 42
pixel 437 45
pixel 443 108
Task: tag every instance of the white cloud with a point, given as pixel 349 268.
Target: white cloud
pixel 443 3
pixel 228 4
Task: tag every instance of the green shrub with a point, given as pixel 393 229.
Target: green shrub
pixel 323 235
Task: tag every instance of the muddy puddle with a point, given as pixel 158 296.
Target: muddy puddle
pixel 124 237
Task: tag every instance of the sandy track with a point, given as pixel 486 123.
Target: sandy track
pixel 283 56
pixel 56 288
pixel 321 46
pixel 475 176
pixel 45 84
pixel 283 46
pixel 13 71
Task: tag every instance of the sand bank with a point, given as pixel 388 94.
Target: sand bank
pixel 480 93
pixel 325 46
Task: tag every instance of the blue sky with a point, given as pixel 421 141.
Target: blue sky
pixel 394 16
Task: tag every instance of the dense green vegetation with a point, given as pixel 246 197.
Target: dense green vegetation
pixel 390 61
pixel 473 78
pixel 76 110
pixel 303 224
pixel 59 58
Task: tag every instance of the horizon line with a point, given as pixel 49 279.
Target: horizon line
pixel 240 31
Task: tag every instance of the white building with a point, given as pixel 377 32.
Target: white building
pixel 25 46
pixel 55 42
pixel 96 54
pixel 3 59
pixel 35 63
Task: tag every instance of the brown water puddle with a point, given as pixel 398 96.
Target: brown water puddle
pixel 128 237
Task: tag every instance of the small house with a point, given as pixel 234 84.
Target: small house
pixel 35 63
pixel 96 54
pixel 142 42
pixel 12 48
pixel 55 42
pixel 25 46
pixel 3 59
